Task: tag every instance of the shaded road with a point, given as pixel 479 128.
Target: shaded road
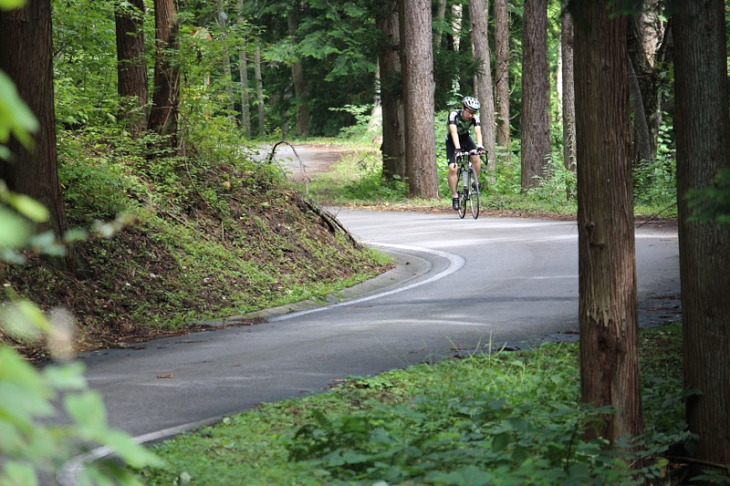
pixel 459 286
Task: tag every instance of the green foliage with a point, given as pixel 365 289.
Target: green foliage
pixel 655 181
pixel 16 119
pixel 357 177
pixel 508 418
pixel 712 203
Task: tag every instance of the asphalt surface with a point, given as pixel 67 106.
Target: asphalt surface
pixel 460 286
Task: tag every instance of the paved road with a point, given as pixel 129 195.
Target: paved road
pixel 461 285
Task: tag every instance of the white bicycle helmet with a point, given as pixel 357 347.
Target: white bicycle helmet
pixel 471 103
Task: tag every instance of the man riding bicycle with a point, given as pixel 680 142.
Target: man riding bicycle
pixel 459 141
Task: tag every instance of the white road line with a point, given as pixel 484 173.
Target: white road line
pixel 455 263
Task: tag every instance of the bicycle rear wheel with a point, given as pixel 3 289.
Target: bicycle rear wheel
pixel 473 194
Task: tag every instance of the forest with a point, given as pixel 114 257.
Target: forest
pixel 128 128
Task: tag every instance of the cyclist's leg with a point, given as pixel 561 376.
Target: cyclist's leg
pixel 468 144
pixel 451 175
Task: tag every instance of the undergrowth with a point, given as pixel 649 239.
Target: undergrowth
pixel 503 418
pixel 210 232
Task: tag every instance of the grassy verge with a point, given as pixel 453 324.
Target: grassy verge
pixel 355 180
pixel 507 418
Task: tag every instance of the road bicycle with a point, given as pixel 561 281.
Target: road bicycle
pixel 467 182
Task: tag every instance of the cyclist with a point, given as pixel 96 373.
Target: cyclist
pixel 458 140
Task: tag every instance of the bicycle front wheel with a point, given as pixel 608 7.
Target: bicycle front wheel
pixel 463 198
pixel 473 193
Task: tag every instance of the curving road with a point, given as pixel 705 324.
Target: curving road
pixel 460 286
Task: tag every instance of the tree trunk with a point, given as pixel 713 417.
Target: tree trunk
pixel 703 148
pixel 393 148
pixel 566 46
pixel 440 17
pixel 535 94
pixel 300 81
pixel 483 80
pixel 502 51
pixel 243 75
pixel 609 354
pixel 418 93
pixel 222 22
pixel 26 56
pixel 131 64
pixel 261 108
pixel 163 117
pixel 644 89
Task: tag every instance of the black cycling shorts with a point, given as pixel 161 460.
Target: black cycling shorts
pixel 466 144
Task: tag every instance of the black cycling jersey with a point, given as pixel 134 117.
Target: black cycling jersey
pixel 462 126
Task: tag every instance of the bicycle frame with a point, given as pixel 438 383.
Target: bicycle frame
pixel 468 183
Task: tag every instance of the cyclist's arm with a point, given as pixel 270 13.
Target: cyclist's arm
pixel 478 133
pixel 454 136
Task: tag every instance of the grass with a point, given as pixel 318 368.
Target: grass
pixel 508 418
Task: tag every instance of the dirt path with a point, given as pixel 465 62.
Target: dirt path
pixel 301 160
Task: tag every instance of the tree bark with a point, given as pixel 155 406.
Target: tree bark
pixel 566 46
pixel 222 22
pixel 260 106
pixel 26 57
pixel 607 270
pixel 299 80
pixel 703 148
pixel 484 89
pixel 243 75
pixel 535 94
pixel 418 94
pixel 393 148
pixel 163 117
pixel 502 51
pixel 131 64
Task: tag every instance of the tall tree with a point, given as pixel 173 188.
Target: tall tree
pixel 243 75
pixel 299 78
pixel 418 95
pixel 502 51
pixel 221 19
pixel 131 64
pixel 535 94
pixel 484 89
pixel 165 98
pixel 703 148
pixel 393 148
pixel 260 106
pixel 568 90
pixel 607 270
pixel 647 43
pixel 26 56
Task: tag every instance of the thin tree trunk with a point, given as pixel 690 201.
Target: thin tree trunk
pixel 222 22
pixel 418 93
pixel 243 75
pixel 568 104
pixel 483 80
pixel 300 81
pixel 440 17
pixel 131 64
pixel 535 95
pixel 501 43
pixel 703 148
pixel 609 353
pixel 393 148
pixel 260 106
pixel 163 117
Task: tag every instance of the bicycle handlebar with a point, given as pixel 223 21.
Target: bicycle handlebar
pixel 459 153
